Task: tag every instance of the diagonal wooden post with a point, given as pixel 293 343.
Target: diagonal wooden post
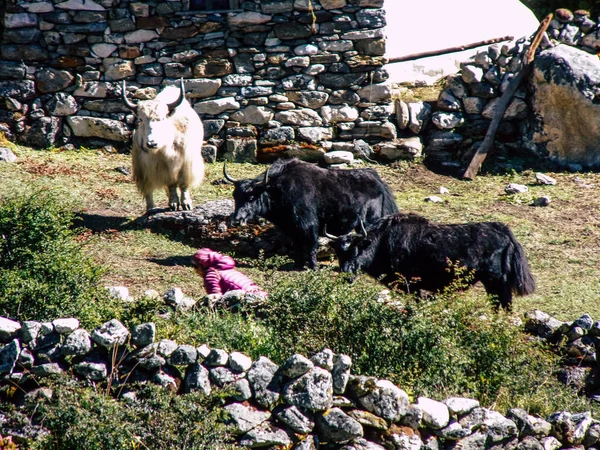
pixel 504 101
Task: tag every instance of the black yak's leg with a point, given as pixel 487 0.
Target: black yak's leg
pixel 501 290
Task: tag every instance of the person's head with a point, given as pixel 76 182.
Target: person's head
pixel 203 259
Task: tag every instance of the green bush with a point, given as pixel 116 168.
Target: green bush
pixel 452 344
pixel 44 273
pixel 80 417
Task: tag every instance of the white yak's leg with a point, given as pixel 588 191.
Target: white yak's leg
pixel 186 199
pixel 173 198
pixel 149 201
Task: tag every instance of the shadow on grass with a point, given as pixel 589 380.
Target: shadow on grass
pixel 173 261
pixel 99 223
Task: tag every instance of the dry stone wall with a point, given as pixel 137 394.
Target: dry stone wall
pixel 553 115
pixel 291 77
pixel 304 403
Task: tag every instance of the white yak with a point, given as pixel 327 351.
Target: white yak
pixel 166 148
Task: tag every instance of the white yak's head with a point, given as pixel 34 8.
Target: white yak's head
pixel 155 130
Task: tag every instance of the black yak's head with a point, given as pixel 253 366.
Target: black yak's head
pixel 250 198
pixel 348 249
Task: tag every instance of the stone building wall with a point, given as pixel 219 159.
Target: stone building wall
pixel 274 77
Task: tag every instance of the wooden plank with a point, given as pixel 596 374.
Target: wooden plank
pixel 513 85
pixel 444 51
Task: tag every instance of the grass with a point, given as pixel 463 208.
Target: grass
pixel 560 240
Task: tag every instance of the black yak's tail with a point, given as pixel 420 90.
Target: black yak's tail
pixel 519 276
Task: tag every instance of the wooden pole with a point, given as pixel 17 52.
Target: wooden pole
pixel 444 51
pixel 504 101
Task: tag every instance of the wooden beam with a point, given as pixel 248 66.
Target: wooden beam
pixel 504 101
pixel 444 51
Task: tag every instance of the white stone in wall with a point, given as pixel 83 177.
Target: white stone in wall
pixel 471 73
pixel 86 126
pixel 300 117
pixel 8 328
pixel 340 45
pixel 376 93
pixel 435 414
pixel 315 69
pixel 216 106
pixel 298 61
pixel 200 87
pixel 245 417
pixel 65 326
pixel 387 400
pixel 117 69
pixel 239 362
pixel 81 5
pixel 247 19
pixel 338 157
pixel 306 50
pixel 20 20
pixel 254 115
pixel 363 34
pixel 461 406
pixel 315 134
pixel 139 36
pixel 103 50
pixel 38 8
pixel 333 4
pixel 339 113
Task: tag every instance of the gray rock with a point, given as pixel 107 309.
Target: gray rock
pixel 386 400
pixel 223 376
pixel 143 334
pixel 216 357
pixel 460 406
pixel 78 343
pixel 334 425
pixel 183 355
pixel 9 354
pixel 296 366
pixel 110 334
pixel 65 326
pixel 238 362
pixel 196 379
pixel 264 382
pixel 8 329
pixel 91 371
pixel 295 418
pixel 166 347
pixel 244 418
pixel 436 414
pixel 241 390
pixel 341 373
pixel 323 359
pixel 312 391
pixel 266 435
pixel 7 155
pixel 46 370
pixel 515 188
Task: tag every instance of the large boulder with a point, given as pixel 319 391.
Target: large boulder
pixel 460 22
pixel 565 81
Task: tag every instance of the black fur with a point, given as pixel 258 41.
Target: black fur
pixel 422 251
pixel 302 198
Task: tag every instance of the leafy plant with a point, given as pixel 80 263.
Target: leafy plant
pixel 44 272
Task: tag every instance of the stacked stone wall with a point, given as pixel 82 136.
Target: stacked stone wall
pixel 293 77
pixel 304 403
pixel 451 129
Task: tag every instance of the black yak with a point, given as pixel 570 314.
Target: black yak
pixel 424 253
pixel 302 199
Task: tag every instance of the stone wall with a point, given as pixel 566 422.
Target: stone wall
pixel 304 403
pixel 286 77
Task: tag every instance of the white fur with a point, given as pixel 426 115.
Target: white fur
pixel 176 161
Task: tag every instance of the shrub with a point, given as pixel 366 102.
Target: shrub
pixel 451 344
pixel 44 274
pixel 79 417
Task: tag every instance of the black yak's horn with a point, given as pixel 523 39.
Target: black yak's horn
pixel 266 177
pixel 177 102
pixel 226 175
pixel 362 228
pixel 327 235
pixel 127 102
